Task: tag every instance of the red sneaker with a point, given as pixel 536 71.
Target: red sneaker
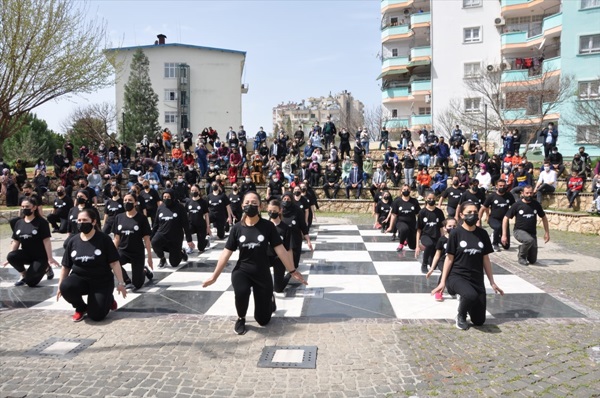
pixel 114 306
pixel 438 296
pixel 78 316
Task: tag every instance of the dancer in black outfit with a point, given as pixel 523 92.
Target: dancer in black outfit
pixel 429 230
pixel 60 214
pixel 294 217
pixel 89 266
pixel 169 226
pixel 197 210
pixel 82 202
pixel 280 278
pixel 403 219
pixel 149 196
pixel 467 257
pixel 235 202
pixel 131 236
pixel 31 245
pixel 112 207
pixel 252 236
pixel 219 210
pixel 495 206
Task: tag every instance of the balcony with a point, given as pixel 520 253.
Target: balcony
pixel 395 32
pixel 551 26
pixel 420 87
pixel 530 76
pixel 513 8
pixel 391 5
pixel 396 123
pixel 522 116
pixel 396 93
pixel 420 19
pixel 420 120
pixel 395 63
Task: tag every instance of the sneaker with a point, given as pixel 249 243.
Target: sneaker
pixel 438 296
pixel 114 306
pixel 377 225
pixel 496 248
pixel 393 238
pixel 20 282
pixel 129 286
pixel 400 247
pixel 240 326
pixel 454 297
pixel 461 322
pixel 78 316
pixel 522 261
pixel 162 263
pixel 273 304
pixel 184 255
pixel 55 230
pixel 149 274
pixel 189 250
pixel 424 268
pixel 50 273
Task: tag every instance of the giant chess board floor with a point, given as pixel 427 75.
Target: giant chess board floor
pixel 353 272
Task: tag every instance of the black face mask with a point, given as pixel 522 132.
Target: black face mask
pixel 455 183
pixel 250 210
pixel 501 190
pixel 146 186
pixel 215 188
pixel 195 194
pixel 474 188
pixel 471 219
pixel 286 203
pixel 168 202
pixel 27 212
pixel 526 198
pixel 81 201
pixel 431 202
pixel 405 193
pixel 85 227
pixel 82 185
pixel 129 206
pixel 386 198
pixel 115 193
pixel 303 189
pixel 60 194
pixel 273 214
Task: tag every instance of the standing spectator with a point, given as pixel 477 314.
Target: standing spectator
pixel 443 153
pixel 329 133
pixel 365 139
pixel 201 158
pixel 406 136
pixel 516 141
pixel 344 143
pixel 574 187
pixel 546 182
pixel 299 137
pixel 68 147
pixel 384 138
pixel 241 136
pixel 59 162
pixel 550 137
pixel 409 168
pixel 367 168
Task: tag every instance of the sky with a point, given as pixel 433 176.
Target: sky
pixel 294 49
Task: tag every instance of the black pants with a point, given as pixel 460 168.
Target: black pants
pixel 528 249
pixel 327 189
pixel 472 298
pixel 429 251
pixel 108 225
pixel 100 295
pixel 161 244
pixel 407 233
pixel 296 252
pixel 200 231
pixel 344 149
pixel 218 221
pixel 55 220
pixel 280 280
pixel 137 268
pixel 262 287
pixel 381 220
pixel 496 226
pixel 451 211
pixel 572 195
pixel 152 214
pixel 37 266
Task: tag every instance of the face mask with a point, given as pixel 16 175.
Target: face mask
pixel 169 186
pixel 501 190
pixel 474 188
pixel 303 189
pixel 449 229
pixel 82 185
pixel 85 227
pixel 81 201
pixel 27 212
pixel 215 188
pixel 273 214
pixel 61 194
pixel 471 219
pixel 168 202
pixel 129 206
pixel 526 198
pixel 286 204
pixel 554 151
pixel 455 183
pixel 406 193
pixel 248 181
pixel 114 193
pixel 251 210
pixel 547 168
pixel 146 186
pixel 275 179
pixel 297 193
pixel 195 194
pixel 235 189
pixel 386 197
pixel 431 202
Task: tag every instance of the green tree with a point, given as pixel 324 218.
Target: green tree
pixel 48 49
pixel 140 114
pixel 33 141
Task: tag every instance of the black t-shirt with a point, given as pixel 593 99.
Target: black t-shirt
pixel 468 249
pixel 253 244
pixel 276 188
pixel 113 207
pixel 295 219
pixel 406 210
pixel 442 244
pixel 285 233
pixel 62 206
pixel 383 209
pixel 430 222
pixel 91 259
pixel 453 195
pixel 477 198
pixel 303 203
pixel 525 214
pixel 31 235
pixel 150 198
pixel 131 230
pixel 235 202
pixel 499 204
pixel 171 223
pixel 217 204
pixel 196 210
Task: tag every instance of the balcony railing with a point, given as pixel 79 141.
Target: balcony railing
pixel 388 31
pixel 420 120
pixel 521 75
pixel 527 114
pixel 396 123
pixel 396 3
pixel 507 3
pixel 548 23
pixel 420 18
pixel 396 92
pixel 417 52
pixel 395 61
pixel 420 85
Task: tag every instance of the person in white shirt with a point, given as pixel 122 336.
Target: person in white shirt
pixel 546 182
pixel 485 178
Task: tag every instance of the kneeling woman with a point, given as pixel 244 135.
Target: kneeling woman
pixel 89 258
pixel 467 257
pixel 252 236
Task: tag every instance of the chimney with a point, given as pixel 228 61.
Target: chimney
pixel 161 38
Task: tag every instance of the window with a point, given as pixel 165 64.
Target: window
pixel 184 98
pixel 472 35
pixel 170 117
pixel 394 21
pixel 425 111
pixel 394 113
pixel 472 105
pixel 170 70
pixel 589 4
pixel 589 44
pixel 589 90
pixel 471 3
pixel 588 135
pixel 170 95
pixel 472 69
pixel 394 52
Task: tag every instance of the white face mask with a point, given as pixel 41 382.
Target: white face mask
pixel 547 168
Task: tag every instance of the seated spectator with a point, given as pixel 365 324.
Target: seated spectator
pixel 485 178
pixel 94 180
pixel 556 161
pixel 257 171
pixel 574 187
pixel 40 181
pixel 507 177
pixel 166 138
pixel 116 170
pixel 546 182
pixel 354 181
pixel 176 157
pixel 232 174
pixel 223 155
pixel 188 159
pixel 440 181
pixel 423 182
pixel 587 161
pixel 578 165
pixel 315 173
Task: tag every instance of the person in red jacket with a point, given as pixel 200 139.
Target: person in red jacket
pixel 574 186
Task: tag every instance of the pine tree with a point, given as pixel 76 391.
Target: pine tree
pixel 141 102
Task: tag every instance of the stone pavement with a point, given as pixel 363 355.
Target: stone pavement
pixel 173 355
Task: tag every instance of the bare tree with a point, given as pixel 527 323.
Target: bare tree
pixel 92 123
pixel 47 50
pixel 374 121
pixel 350 118
pixel 448 118
pixel 584 117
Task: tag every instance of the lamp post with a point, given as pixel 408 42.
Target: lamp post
pixel 123 121
pixel 485 130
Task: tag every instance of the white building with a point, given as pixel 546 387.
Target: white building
pixel 197 86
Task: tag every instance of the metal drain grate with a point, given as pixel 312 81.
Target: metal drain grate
pixel 308 292
pixel 56 347
pixel 300 357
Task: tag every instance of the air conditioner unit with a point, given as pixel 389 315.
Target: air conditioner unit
pixel 499 21
pixel 428 99
pixel 490 68
pixel 504 66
